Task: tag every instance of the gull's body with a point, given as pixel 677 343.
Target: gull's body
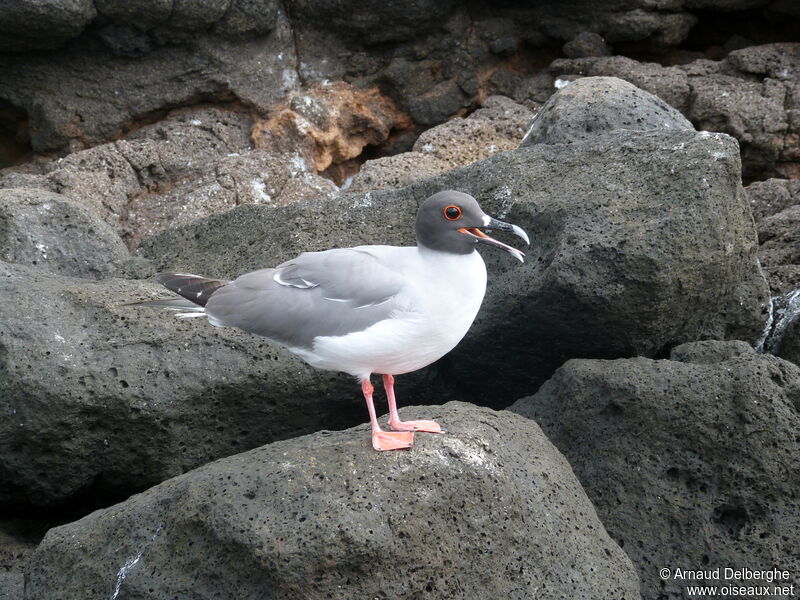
pixel 422 304
pixel 364 310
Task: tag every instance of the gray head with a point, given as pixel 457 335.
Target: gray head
pixel 451 221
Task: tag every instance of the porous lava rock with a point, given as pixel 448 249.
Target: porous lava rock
pixel 188 166
pixel 688 463
pixel 58 235
pixel 499 125
pixel 589 107
pixel 751 94
pixel 489 509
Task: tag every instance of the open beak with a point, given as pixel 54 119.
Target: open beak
pixel 491 223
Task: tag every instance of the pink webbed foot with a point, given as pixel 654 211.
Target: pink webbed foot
pixel 426 426
pixel 392 440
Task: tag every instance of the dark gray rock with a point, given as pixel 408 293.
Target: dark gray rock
pixel 257 176
pixel 671 84
pixel 90 94
pixel 19 536
pixel 709 352
pixel 108 399
pixel 587 44
pixel 12 586
pixel 641 241
pixel 772 196
pixel 655 25
pixel 58 235
pixel 687 464
pixel 595 106
pixel 779 238
pixel 373 22
pixel 490 509
pixel 783 278
pixel 752 94
pixel 35 25
pixel 789 347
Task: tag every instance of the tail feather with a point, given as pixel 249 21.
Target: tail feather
pixel 193 288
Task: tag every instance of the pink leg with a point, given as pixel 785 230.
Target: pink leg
pixel 394 418
pixel 384 440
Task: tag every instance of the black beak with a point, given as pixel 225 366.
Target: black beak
pixel 491 223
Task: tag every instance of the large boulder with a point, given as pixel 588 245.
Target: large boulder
pixel 58 235
pixel 641 241
pixel 105 399
pixel 488 510
pixel 592 106
pixel 751 94
pixel 690 464
pixel 28 24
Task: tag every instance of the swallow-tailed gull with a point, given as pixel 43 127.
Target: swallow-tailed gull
pixel 387 310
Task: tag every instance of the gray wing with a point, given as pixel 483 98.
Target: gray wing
pixel 327 293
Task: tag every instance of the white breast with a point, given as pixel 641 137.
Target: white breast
pixel 439 305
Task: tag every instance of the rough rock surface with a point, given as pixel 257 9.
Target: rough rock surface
pixel 587 44
pixel 190 165
pixel 789 347
pixel 772 196
pixel 252 177
pixel 715 484
pixel 490 509
pixel 396 171
pixel 752 94
pixel 497 126
pixel 709 351
pixel 620 264
pixel 28 24
pixel 779 238
pixel 774 203
pixel 129 61
pixel 93 94
pixel 59 235
pixel 12 586
pixel 107 399
pixel 19 537
pixel 593 106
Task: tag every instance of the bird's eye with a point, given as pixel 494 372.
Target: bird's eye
pixel 452 213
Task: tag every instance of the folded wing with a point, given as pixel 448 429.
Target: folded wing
pixel 330 293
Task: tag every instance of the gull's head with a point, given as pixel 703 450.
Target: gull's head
pixel 451 221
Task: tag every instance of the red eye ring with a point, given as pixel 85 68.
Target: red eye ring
pixel 452 212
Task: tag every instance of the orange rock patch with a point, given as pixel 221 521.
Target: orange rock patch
pixel 330 123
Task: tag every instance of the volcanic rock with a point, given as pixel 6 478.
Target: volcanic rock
pixel 687 463
pixel 490 509
pixel 58 235
pixel 751 94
